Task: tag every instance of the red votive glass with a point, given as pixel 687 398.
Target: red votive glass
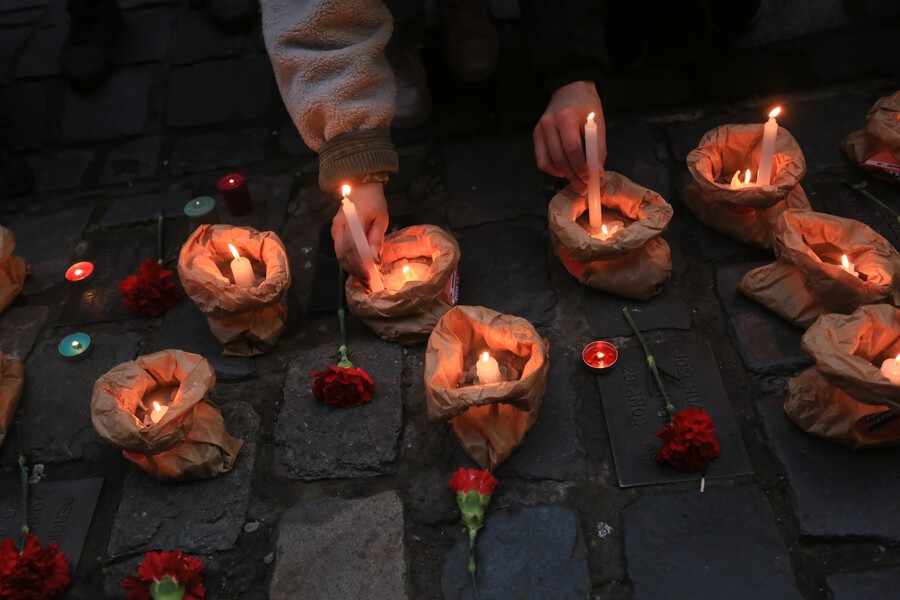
pixel 80 272
pixel 599 356
pixel 235 193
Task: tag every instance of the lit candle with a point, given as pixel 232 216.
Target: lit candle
pixel 599 356
pixel 401 275
pixel 75 346
pixel 767 153
pixel 158 412
pixel 200 211
pixel 607 230
pixel 359 239
pixel 848 266
pixel 487 369
pixel 736 182
pixel 890 369
pixel 80 272
pixel 235 194
pixel 241 270
pixel 592 156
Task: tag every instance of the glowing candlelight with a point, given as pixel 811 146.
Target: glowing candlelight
pixel 235 194
pixel 599 356
pixel 158 412
pixel 592 157
pixel 608 230
pixel 80 272
pixel 241 269
pixel 767 152
pixel 408 274
pixel 75 346
pixel 487 369
pixel 360 241
pixel 848 266
pixel 890 369
pixel 736 182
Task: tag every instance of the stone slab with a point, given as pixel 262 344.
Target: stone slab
pixel 10 42
pixel 61 170
pixel 869 489
pixel 632 153
pixel 185 327
pixel 48 255
pixel 645 88
pixel 19 328
pixel 780 21
pixel 634 410
pixel 135 160
pixel 843 201
pixel 40 57
pixel 23 17
pixel 766 342
pixel 199 517
pixel 852 54
pixel 270 196
pixel 323 295
pixel 820 126
pixel 719 544
pixel 504 267
pixel 209 151
pixel 24 105
pixel 315 441
pixel 55 408
pixel 315 540
pixel 146 36
pixel 882 8
pixel 197 38
pixel 532 552
pixel 118 108
pixel 59 512
pixel 745 75
pixel 14 5
pixel 666 310
pixel 145 207
pixel 870 584
pixel 492 179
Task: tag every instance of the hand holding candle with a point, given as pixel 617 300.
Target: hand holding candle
pixel 241 270
pixel 767 152
pixel 360 242
pixel 487 369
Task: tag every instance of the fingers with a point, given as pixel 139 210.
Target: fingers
pixel 375 235
pixel 542 154
pixel 344 248
pixel 556 148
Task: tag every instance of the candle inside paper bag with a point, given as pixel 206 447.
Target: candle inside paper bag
pixel 737 184
pixel 241 270
pixel 158 412
pixel 592 157
pixel 890 368
pixel 404 272
pixel 608 230
pixel 767 152
pixel 487 369
pixel 359 240
pixel 848 266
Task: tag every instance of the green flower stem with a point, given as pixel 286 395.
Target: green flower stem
pixel 159 237
pixel 472 568
pixel 651 362
pixel 167 589
pixel 23 477
pixel 345 362
pixel 861 188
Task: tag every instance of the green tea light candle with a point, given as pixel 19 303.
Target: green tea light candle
pixel 201 210
pixel 75 346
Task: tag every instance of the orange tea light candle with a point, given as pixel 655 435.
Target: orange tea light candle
pixel 890 369
pixel 80 272
pixel 600 355
pixel 158 413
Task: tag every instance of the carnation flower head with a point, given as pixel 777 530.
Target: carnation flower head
pixel 151 293
pixel 480 480
pixel 689 441
pixel 164 571
pixel 343 386
pixel 37 573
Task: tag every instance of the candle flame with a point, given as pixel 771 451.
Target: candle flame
pixel 233 251
pixel 156 406
pixel 78 272
pixel 485 356
pixel 775 112
pixel 604 230
pixel 600 356
pixel 590 117
pixel 76 344
pixel 405 269
pixel 231 180
pixel 197 203
pixel 345 190
pixel 747 177
pixel 844 262
pixel 897 360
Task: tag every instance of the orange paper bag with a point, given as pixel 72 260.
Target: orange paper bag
pixel 13 269
pixel 876 147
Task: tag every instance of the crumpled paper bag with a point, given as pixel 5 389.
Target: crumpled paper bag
pixel 807 279
pixel 190 441
pixel 635 262
pixel 490 421
pixel 409 314
pixel 844 397
pixel 876 147
pixel 245 321
pixel 12 378
pixel 13 269
pixel 748 214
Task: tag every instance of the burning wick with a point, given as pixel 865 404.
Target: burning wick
pixel 847 265
pixel 158 412
pixel 487 369
pixel 78 272
pixel 600 356
pixel 408 274
pixel 231 181
pixel 76 344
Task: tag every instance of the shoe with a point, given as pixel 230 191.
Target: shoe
pixel 471 44
pixel 412 106
pixel 233 16
pixel 88 54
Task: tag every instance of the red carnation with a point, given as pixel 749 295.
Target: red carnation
pixel 482 481
pixel 343 386
pixel 151 293
pixel 689 441
pixel 166 575
pixel 36 573
pixel 473 489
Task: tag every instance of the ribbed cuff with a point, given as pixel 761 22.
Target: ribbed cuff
pixel 356 153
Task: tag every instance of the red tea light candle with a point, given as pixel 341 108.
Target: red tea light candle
pixel 235 194
pixel 80 272
pixel 599 356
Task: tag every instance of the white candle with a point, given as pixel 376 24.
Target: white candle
pixel 487 369
pixel 607 230
pixel 736 182
pixel 767 153
pixel 848 266
pixel 241 269
pixel 891 369
pixel 592 156
pixel 158 412
pixel 400 276
pixel 360 241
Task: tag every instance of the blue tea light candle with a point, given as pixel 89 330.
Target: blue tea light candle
pixel 75 346
pixel 202 210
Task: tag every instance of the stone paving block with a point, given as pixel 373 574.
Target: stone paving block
pixel 840 200
pixel 198 517
pixel 532 552
pixel 197 38
pixel 61 171
pixel 836 492
pixel 552 448
pixel 138 159
pixel 631 153
pixel 215 92
pixel 779 21
pixel 56 12
pixel 55 409
pixel 145 207
pixel 870 584
pixel 492 179
pixel 25 107
pixel 185 327
pixel 10 42
pixel 270 199
pixel 23 17
pixel 14 5
pixel 881 8
pixel 118 108
pixel 504 267
pixel 766 342
pixel 315 540
pixel 666 310
pixel 290 141
pixel 315 441
pixel 684 546
pixel 821 125
pixel 48 255
pixel 846 55
pixel 145 36
pixel 19 328
pixel 209 151
pixel 41 56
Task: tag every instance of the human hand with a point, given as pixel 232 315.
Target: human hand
pixel 368 198
pixel 557 136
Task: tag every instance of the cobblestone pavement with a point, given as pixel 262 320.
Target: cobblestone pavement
pixel 322 503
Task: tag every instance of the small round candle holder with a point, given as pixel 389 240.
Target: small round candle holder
pixel 80 273
pixel 201 211
pixel 75 347
pixel 599 356
pixel 235 193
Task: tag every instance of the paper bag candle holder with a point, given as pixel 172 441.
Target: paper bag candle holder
pixel 13 269
pixel 244 299
pixel 809 277
pixel 157 410
pixel 12 378
pixel 633 262
pixel 876 147
pixel 490 420
pixel 419 268
pixel 845 397
pixel 744 213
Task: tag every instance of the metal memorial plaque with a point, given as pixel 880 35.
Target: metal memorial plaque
pixel 58 512
pixel 634 410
